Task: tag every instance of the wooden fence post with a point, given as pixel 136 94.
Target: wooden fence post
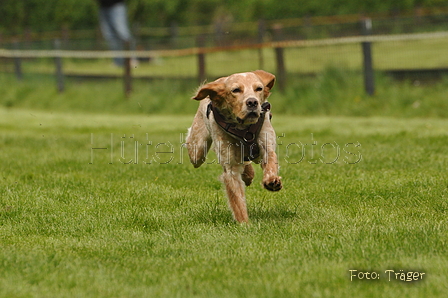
pixel 17 63
pixel 127 75
pixel 201 59
pixel 279 56
pixel 369 80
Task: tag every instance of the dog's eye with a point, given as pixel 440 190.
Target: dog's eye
pixel 236 90
pixel 258 89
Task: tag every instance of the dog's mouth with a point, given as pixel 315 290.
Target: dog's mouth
pixel 250 118
pixel 252 115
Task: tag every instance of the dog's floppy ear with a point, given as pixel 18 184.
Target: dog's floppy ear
pixel 214 90
pixel 267 78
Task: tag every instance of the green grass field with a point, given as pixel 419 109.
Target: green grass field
pixel 137 220
pixel 98 199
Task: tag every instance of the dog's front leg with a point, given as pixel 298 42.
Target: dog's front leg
pixel 198 141
pixel 235 189
pixel 271 180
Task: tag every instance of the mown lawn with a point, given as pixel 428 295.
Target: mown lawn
pixel 136 220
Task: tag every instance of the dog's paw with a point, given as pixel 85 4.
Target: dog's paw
pixel 247 180
pixel 273 183
pixel 248 174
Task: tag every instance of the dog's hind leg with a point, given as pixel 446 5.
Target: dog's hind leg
pixel 235 192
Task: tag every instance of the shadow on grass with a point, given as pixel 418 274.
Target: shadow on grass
pixel 217 213
pixel 214 213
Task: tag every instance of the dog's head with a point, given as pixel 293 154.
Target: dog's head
pixel 239 96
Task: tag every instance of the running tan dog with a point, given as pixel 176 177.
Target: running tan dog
pixel 235 116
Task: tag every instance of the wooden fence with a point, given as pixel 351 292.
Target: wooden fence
pixel 281 65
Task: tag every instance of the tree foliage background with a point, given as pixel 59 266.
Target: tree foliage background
pixel 45 15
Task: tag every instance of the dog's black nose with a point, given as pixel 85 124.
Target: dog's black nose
pixel 252 103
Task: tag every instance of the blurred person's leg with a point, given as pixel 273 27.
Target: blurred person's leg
pixel 115 29
pixel 119 19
